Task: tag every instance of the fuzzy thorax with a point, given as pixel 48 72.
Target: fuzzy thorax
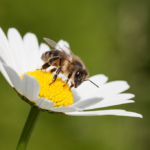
pixel 61 96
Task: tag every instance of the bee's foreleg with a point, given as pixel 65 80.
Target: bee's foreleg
pixel 69 76
pixel 55 76
pixel 72 85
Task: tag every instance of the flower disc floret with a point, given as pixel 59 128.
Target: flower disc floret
pixel 61 96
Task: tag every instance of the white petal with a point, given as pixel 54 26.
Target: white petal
pixel 86 86
pixel 31 50
pixel 63 44
pixel 39 101
pixel 97 113
pixel 44 103
pixel 64 109
pixel 114 100
pixel 99 79
pixel 105 112
pixel 5 74
pixel 131 114
pixel 43 48
pixel 122 96
pixel 14 78
pixel 86 103
pixel 76 95
pixel 114 87
pixel 30 87
pixel 18 52
pixel 63 77
pixel 109 103
pixel 6 52
pixel 107 90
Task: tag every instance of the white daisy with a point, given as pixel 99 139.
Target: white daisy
pixel 20 59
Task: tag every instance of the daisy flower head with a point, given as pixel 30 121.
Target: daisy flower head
pixel 20 63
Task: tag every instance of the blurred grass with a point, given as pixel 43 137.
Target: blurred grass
pixel 111 37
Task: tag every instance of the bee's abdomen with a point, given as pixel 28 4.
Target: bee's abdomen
pixel 48 55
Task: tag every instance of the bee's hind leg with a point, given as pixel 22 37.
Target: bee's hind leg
pixel 45 66
pixel 55 76
pixel 50 62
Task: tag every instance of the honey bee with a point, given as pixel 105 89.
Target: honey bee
pixel 66 63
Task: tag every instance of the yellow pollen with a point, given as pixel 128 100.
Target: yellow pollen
pixel 61 96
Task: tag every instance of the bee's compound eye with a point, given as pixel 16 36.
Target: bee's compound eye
pixel 77 74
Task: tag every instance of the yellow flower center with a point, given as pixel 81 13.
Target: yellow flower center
pixel 61 96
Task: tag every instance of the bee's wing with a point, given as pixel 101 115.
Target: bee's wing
pixel 65 46
pixel 56 46
pixel 50 42
pixel 69 50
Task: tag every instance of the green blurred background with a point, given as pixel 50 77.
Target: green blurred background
pixel 112 38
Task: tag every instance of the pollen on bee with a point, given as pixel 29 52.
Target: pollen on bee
pixel 61 96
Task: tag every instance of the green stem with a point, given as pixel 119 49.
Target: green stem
pixel 28 128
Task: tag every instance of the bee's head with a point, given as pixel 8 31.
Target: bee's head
pixel 80 76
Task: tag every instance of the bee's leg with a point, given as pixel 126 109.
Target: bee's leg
pixel 51 61
pixel 53 70
pixel 55 76
pixel 72 85
pixel 69 76
pixel 45 66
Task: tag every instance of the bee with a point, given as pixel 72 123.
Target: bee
pixel 66 63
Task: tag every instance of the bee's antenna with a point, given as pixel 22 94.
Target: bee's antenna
pixel 91 82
